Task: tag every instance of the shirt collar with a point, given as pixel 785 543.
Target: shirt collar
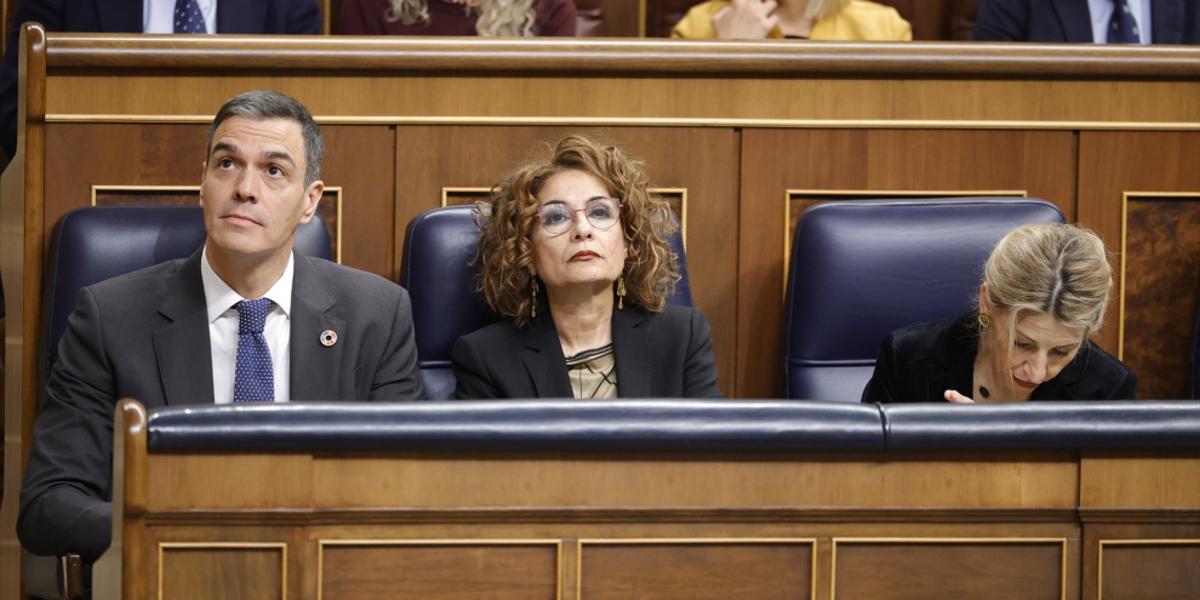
pixel 219 297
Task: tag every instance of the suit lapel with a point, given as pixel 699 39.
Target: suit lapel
pixel 119 16
pixel 316 368
pixel 1076 20
pixel 543 358
pixel 1166 19
pixel 241 16
pixel 634 347
pixel 177 345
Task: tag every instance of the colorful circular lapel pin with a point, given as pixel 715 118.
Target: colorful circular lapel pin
pixel 328 338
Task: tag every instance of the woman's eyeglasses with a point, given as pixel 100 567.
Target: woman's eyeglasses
pixel 602 213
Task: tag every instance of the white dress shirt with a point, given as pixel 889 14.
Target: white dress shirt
pixel 1102 10
pixel 223 329
pixel 158 16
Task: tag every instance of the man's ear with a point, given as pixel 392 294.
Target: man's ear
pixel 312 198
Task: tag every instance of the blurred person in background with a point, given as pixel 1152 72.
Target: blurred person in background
pixel 1089 21
pixel 487 18
pixel 846 20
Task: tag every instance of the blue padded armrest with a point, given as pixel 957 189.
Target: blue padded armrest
pixel 625 426
pixel 1063 426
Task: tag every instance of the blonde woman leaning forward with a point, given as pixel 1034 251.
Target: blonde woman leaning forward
pixel 489 18
pixel 845 20
pixel 1044 291
pixel 575 256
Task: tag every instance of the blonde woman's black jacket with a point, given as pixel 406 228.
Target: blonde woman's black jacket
pixel 920 362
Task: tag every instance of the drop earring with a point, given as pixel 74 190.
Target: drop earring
pixel 621 292
pixel 533 290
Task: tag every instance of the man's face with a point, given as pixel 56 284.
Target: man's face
pixel 253 191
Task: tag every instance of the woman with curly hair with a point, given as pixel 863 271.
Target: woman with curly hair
pixel 574 254
pixel 488 18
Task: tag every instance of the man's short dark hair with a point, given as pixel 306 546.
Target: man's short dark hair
pixel 260 105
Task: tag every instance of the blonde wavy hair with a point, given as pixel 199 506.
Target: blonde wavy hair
pixel 1055 269
pixel 505 250
pixel 497 18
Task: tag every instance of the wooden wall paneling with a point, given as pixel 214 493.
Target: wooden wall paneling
pixel 697 569
pixel 1142 189
pixel 701 161
pixel 981 568
pixel 357 169
pixel 623 18
pixel 1149 568
pixel 1041 163
pixel 222 570
pixel 444 568
pixel 359 160
pixel 1141 555
pixel 704 482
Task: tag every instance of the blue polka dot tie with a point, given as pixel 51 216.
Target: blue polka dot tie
pixel 1123 27
pixel 254 378
pixel 188 18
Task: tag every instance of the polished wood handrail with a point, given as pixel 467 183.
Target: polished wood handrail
pixel 599 56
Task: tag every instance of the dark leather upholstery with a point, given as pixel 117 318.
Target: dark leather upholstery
pixel 478 426
pixel 1196 348
pixel 861 269
pixel 436 270
pixel 676 425
pixel 95 243
pixel 1044 426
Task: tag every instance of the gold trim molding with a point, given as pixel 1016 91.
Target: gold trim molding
pixel 811 542
pixel 336 190
pixel 1131 542
pixel 281 546
pixel 557 544
pixel 1062 567
pixel 1125 197
pixel 590 121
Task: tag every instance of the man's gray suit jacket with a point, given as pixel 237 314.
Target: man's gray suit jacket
pixel 144 335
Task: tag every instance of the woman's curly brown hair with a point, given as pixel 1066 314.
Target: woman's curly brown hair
pixel 505 250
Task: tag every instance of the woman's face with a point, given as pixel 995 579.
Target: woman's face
pixel 579 242
pixel 1042 346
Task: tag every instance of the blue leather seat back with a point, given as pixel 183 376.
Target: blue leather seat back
pixel 436 270
pixel 95 243
pixel 861 269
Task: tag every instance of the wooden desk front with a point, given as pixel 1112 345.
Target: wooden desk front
pixel 605 525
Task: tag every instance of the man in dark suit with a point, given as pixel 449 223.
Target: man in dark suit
pixel 1089 21
pixel 242 319
pixel 128 16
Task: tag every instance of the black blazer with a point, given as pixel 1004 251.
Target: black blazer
pixel 1171 21
pixel 144 335
pixel 920 362
pixel 658 355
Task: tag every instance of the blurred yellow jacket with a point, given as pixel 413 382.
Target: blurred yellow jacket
pixel 860 20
